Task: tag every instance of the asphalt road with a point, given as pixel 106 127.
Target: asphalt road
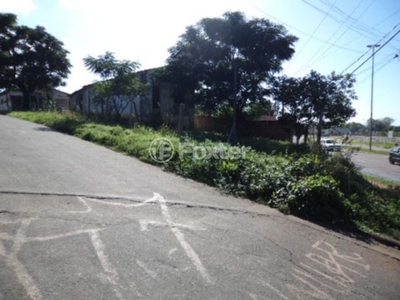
pixel 377 165
pixel 78 221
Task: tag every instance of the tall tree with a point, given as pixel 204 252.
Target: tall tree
pixel 30 58
pixel 355 128
pixel 388 122
pixel 329 99
pixel 293 108
pixel 322 101
pixel 229 60
pixel 120 84
pixel 383 124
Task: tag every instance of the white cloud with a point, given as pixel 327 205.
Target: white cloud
pixel 17 6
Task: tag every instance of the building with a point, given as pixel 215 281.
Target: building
pixel 157 106
pixel 12 100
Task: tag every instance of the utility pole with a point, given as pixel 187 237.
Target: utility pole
pixel 372 92
pixel 233 133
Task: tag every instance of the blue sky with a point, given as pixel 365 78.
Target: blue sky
pixel 333 35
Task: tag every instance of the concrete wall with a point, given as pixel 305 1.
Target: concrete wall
pixel 13 100
pixel 5 102
pixel 267 129
pixel 157 106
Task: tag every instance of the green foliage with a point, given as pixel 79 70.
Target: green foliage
pixel 218 56
pixel 323 101
pixel 30 58
pixel 384 124
pixel 66 123
pixel 314 186
pixel 120 84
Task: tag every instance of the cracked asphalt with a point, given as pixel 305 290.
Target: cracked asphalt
pixel 79 221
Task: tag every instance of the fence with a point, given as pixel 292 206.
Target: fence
pixel 266 129
pixel 377 139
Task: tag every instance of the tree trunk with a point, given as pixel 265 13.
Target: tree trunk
pixel 299 133
pixel 25 104
pixel 233 133
pixel 319 129
pixel 306 135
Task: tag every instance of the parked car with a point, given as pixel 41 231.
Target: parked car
pixel 394 155
pixel 330 145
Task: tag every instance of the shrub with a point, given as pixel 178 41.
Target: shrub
pixel 311 185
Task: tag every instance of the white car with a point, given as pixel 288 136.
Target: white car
pixel 330 145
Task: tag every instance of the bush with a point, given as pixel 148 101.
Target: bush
pixel 316 186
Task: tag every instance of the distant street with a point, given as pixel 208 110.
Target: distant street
pixel 79 221
pixel 377 165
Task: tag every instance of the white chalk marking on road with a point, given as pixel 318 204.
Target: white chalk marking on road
pixel 319 294
pixel 324 275
pixel 111 272
pixel 5 236
pixel 88 207
pixel 332 266
pixel 59 236
pixel 252 296
pixel 333 252
pixel 172 251
pixel 144 224
pixel 10 221
pixel 151 273
pixel 22 274
pixel 192 255
pixel 320 282
pixel 126 205
pixel 2 250
pixel 275 290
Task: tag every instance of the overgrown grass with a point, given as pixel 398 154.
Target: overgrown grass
pixel 374 144
pixel 259 144
pixel 365 150
pixel 67 123
pixel 320 187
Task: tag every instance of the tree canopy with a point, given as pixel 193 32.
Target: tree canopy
pixel 322 101
pixel 383 124
pixel 120 84
pixel 30 58
pixel 229 60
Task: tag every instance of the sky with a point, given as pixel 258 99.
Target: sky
pixel 333 36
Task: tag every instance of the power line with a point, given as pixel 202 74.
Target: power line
pixel 380 64
pixel 368 50
pixel 299 30
pixel 379 49
pixel 312 35
pixel 355 24
pixel 308 64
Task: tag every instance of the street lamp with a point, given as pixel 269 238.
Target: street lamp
pixel 372 92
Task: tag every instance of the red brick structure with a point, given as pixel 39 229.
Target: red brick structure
pixel 271 129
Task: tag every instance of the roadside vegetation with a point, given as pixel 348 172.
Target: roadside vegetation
pixel 358 148
pixel 374 144
pixel 229 61
pixel 303 182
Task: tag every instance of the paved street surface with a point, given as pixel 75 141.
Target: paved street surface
pixel 78 221
pixel 377 165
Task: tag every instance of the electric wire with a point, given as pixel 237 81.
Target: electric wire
pixel 299 30
pixel 312 35
pixel 309 63
pixel 379 49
